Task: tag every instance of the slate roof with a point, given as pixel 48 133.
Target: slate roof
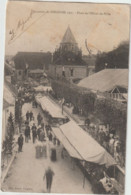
pixel 35 60
pixel 68 37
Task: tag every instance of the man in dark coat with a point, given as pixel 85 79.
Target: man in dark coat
pixel 31 115
pixel 27 115
pixel 20 143
pixel 49 178
pixel 27 133
pixel 39 118
pixel 34 127
pixel 50 135
pixel 34 135
pixel 42 135
pixel 39 132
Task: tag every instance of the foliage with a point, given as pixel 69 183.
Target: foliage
pixel 80 98
pixel 113 113
pixel 9 141
pixel 109 111
pixel 18 112
pixel 117 58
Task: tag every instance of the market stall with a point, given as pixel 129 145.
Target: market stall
pixel 51 110
pixel 42 88
pixel 84 144
pixel 92 158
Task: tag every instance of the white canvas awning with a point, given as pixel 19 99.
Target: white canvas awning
pixel 8 95
pixel 47 104
pixel 38 97
pixel 82 145
pixel 72 151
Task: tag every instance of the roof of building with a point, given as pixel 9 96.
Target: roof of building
pixel 68 37
pixel 34 60
pixel 106 80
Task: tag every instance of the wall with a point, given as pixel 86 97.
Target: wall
pixel 21 76
pixel 78 71
pixel 91 70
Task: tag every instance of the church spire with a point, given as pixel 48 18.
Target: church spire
pixel 68 37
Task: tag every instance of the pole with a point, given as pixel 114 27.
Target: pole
pixel 114 171
pixel 84 181
pixel 84 178
pixel 62 108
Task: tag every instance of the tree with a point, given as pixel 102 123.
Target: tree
pixel 117 58
pixel 9 141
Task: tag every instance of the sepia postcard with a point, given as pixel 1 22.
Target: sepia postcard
pixel 65 97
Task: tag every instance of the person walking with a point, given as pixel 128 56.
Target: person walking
pixel 39 132
pixel 49 178
pixel 27 115
pixel 34 127
pixel 39 119
pixel 34 135
pixel 50 135
pixel 27 133
pixel 42 135
pixel 32 122
pixel 20 143
pixel 31 115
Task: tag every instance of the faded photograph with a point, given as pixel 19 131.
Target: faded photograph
pixel 64 121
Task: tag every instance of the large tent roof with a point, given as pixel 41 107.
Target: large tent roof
pixel 106 80
pixel 82 145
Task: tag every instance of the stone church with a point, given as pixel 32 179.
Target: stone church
pixel 67 59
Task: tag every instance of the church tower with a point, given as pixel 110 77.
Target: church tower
pixel 68 42
pixel 68 52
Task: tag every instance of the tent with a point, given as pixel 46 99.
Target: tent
pixel 42 88
pixel 9 96
pixel 38 97
pixel 82 146
pixel 48 105
pixel 105 80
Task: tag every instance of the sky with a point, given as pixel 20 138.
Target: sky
pixel 40 26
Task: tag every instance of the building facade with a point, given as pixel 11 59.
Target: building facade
pixel 67 59
pixel 70 72
pixel 33 63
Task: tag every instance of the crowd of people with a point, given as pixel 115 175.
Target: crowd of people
pixel 37 131
pixel 109 141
